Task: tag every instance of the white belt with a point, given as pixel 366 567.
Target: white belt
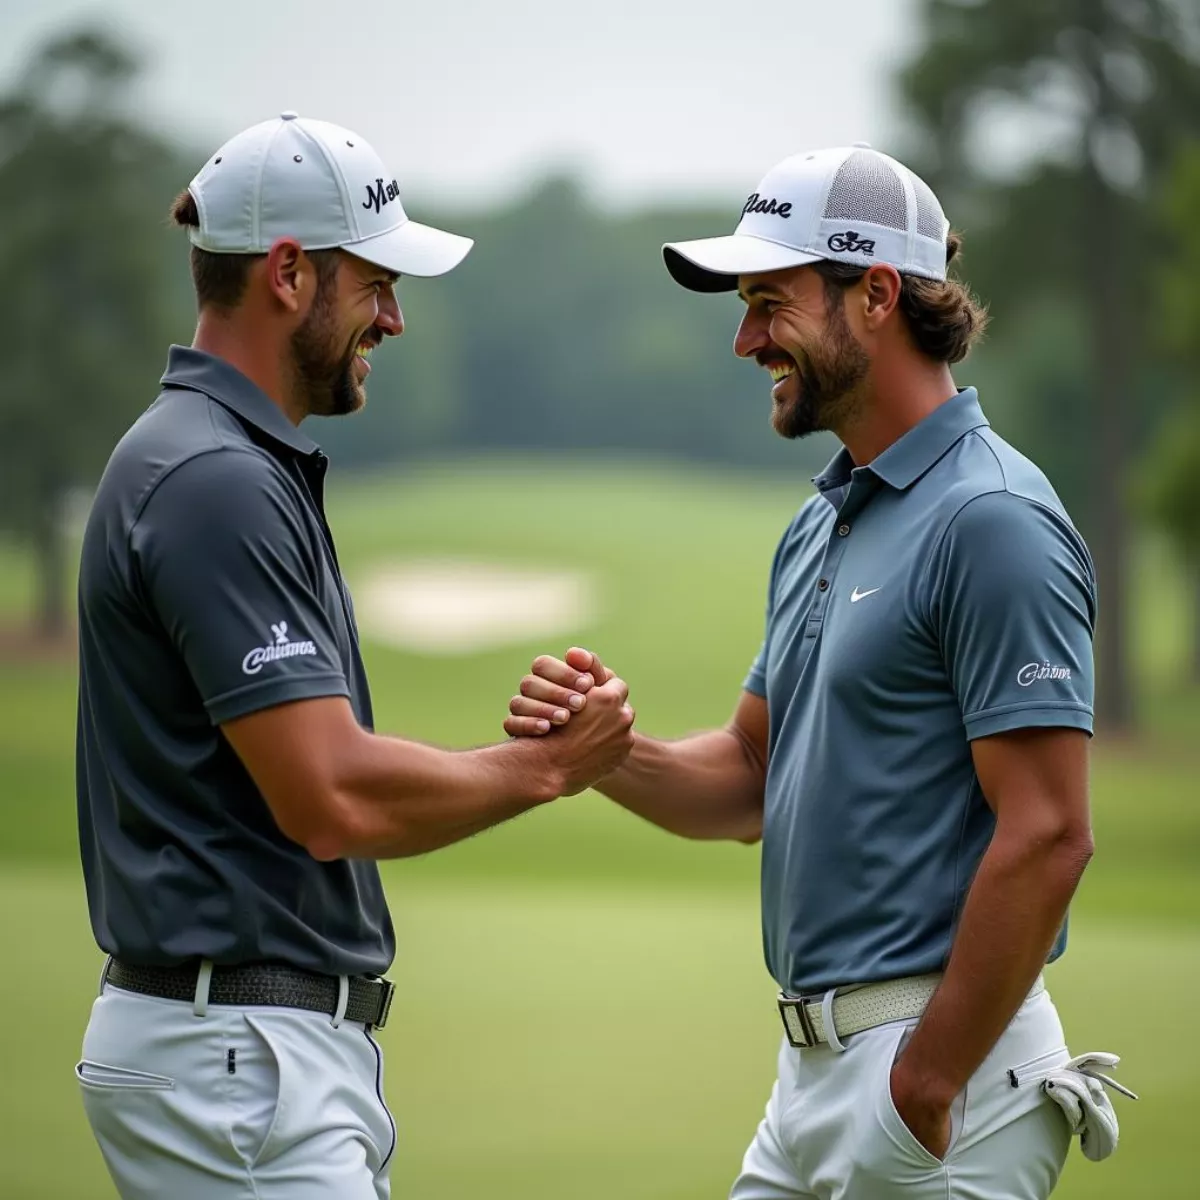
pixel 850 1010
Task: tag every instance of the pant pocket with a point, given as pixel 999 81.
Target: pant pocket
pixel 255 1090
pixel 894 1124
pixel 1034 1070
pixel 104 1077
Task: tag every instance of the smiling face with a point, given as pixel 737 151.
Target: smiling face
pixel 354 309
pixel 796 328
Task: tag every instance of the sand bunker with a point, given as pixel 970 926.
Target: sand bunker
pixel 443 606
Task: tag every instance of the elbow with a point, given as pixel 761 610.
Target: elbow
pixel 1078 847
pixel 327 825
pixel 1065 847
pixel 752 834
pixel 1070 840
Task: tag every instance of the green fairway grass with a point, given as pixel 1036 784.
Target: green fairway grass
pixel 583 1010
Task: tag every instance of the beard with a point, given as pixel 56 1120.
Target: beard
pixel 827 381
pixel 323 366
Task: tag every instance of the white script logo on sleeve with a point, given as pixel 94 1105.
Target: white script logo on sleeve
pixel 282 647
pixel 1035 672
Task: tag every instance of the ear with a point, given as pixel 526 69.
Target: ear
pixel 880 295
pixel 290 275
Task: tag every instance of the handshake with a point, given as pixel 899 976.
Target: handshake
pixel 580 709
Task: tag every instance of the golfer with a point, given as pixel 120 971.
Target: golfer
pixel 911 744
pixel 232 795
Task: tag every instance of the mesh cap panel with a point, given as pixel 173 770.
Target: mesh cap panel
pixel 930 221
pixel 866 189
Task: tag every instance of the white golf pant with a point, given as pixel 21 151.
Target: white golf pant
pixel 831 1131
pixel 248 1103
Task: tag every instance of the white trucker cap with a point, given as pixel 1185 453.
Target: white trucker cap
pixel 850 204
pixel 320 184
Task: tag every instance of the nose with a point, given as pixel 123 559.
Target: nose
pixel 752 336
pixel 390 318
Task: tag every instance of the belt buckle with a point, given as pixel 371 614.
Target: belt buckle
pixel 797 1024
pixel 385 1003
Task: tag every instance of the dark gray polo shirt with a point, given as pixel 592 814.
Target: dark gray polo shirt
pixel 209 588
pixel 937 595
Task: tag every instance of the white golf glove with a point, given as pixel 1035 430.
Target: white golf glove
pixel 1077 1087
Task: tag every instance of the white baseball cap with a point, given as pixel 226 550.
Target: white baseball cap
pixel 849 204
pixel 320 184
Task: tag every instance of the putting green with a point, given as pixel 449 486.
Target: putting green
pixel 580 1040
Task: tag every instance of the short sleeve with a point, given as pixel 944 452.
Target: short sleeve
pixel 1014 606
pixel 227 564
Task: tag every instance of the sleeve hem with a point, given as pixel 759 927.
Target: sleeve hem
pixel 1043 716
pixel 256 696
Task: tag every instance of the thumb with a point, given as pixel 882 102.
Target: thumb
pixel 585 660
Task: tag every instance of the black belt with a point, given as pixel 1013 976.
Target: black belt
pixel 273 984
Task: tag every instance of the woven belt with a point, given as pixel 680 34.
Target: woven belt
pixel 855 1009
pixel 272 984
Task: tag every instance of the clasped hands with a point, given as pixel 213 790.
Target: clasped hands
pixel 584 708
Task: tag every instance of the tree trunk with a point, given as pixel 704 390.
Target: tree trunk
pixel 1112 301
pixel 1195 583
pixel 50 552
pixel 1110 321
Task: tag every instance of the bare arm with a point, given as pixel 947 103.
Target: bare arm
pixel 708 786
pixel 342 792
pixel 1036 781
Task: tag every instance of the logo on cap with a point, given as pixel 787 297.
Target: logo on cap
pixel 380 194
pixel 850 243
pixel 761 204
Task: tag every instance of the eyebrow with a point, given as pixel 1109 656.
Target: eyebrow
pixel 755 289
pixel 381 276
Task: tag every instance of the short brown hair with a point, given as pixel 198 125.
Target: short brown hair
pixel 944 318
pixel 220 279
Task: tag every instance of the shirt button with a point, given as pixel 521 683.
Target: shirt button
pixel 823 585
pixel 843 530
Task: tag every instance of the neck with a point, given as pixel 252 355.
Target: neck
pixel 262 363
pixel 897 398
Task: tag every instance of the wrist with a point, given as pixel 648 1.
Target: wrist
pixel 922 1085
pixel 532 771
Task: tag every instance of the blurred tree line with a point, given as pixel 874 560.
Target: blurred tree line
pixel 563 331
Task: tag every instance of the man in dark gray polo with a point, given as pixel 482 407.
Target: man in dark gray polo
pixel 911 742
pixel 232 795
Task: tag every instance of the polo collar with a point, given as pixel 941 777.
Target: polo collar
pixel 906 460
pixel 199 371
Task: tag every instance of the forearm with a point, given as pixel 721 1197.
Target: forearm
pixel 1012 915
pixel 399 798
pixel 707 786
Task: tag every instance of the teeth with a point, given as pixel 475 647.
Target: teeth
pixel 364 349
pixel 781 371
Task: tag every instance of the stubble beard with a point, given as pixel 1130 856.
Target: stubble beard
pixel 828 380
pixel 324 371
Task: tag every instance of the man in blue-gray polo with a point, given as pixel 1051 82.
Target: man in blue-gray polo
pixel 911 742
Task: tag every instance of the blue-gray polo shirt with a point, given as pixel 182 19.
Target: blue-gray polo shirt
pixel 936 595
pixel 209 588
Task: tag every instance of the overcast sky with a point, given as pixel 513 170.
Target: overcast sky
pixel 470 99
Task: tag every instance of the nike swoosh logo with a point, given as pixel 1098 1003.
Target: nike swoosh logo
pixel 856 595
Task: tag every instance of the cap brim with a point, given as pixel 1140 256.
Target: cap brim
pixel 413 249
pixel 713 264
